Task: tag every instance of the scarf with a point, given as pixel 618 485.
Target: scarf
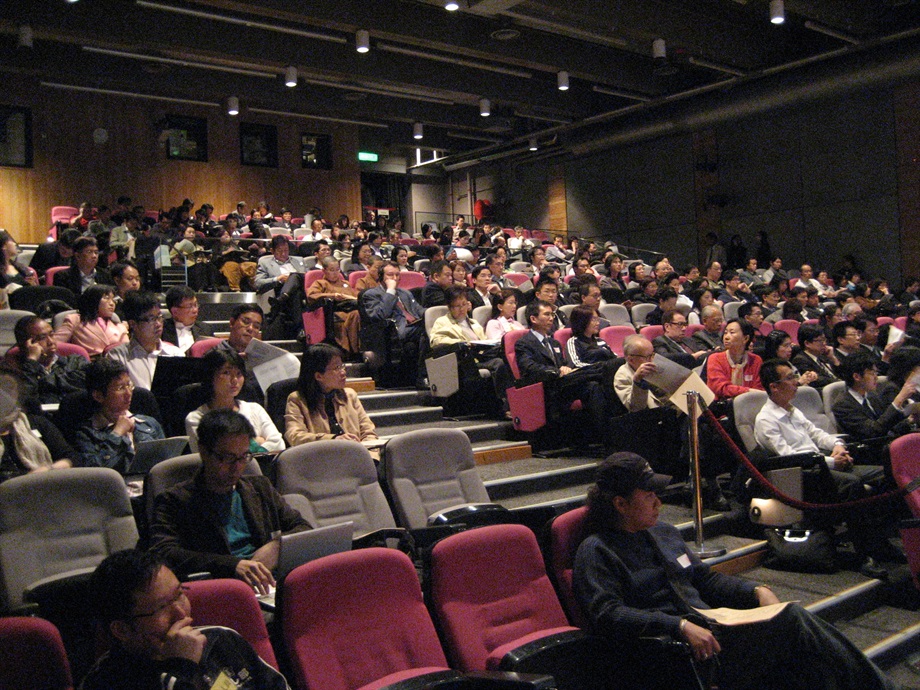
pixel 737 369
pixel 32 453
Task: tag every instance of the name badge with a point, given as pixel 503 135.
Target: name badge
pixel 224 682
pixel 684 561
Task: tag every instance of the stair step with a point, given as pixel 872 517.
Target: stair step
pixel 382 399
pixel 578 474
pixel 477 431
pixel 501 451
pixel 400 417
pixel 364 384
pixel 886 634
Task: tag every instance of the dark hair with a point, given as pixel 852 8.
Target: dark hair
pixel 769 372
pixel 117 269
pixel 747 330
pixel 136 303
pixel 543 280
pixel 745 309
pixel 773 342
pixel 69 237
pixel 279 240
pixel 798 290
pixel 4 238
pixel 809 332
pixel 249 308
pixel 176 295
pixel 88 301
pixel 101 373
pixel 455 292
pixel 217 424
pixel 857 363
pixel 840 330
pixel 212 363
pixel 632 269
pixel 728 275
pixel 584 286
pixel 117 582
pixel 437 268
pixel 21 332
pixel 903 361
pixel 792 309
pixel 501 299
pixel 83 243
pixel 315 360
pixel 666 294
pixel 533 309
pixel 763 290
pixel 698 295
pixel 479 269
pixel 668 316
pixel 580 319
pixel 399 248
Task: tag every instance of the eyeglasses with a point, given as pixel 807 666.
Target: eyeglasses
pixel 250 323
pixel 151 319
pixel 678 324
pixel 123 387
pixel 231 459
pixel 339 367
pixel 181 592
pixel 645 357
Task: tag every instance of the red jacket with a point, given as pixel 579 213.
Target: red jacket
pixel 719 375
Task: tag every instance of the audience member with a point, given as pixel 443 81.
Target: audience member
pixel 184 328
pixel 222 380
pixel 146 614
pixel 584 347
pixel 93 327
pixel 710 336
pixel 674 344
pixel 110 436
pixel 735 370
pixel 126 278
pixel 83 271
pixel 245 324
pixel 434 293
pixel 343 303
pixel 816 356
pixel 846 340
pixel 222 521
pixel 778 345
pixel 504 315
pixel 904 367
pixel 57 253
pixel 46 376
pixel 484 290
pixel 11 271
pixel 139 355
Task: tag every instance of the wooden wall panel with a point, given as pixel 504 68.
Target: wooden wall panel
pixel 907 128
pixel 70 167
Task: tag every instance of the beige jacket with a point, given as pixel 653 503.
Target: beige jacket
pixel 303 426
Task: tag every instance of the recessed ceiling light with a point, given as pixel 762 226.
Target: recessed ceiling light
pixel 505 34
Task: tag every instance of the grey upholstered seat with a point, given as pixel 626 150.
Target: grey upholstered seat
pixel 429 471
pixel 338 479
pixel 831 394
pixel 60 524
pixel 809 401
pixel 746 406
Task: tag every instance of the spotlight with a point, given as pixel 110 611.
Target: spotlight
pixel 290 76
pixel 562 80
pixel 363 41
pixel 451 5
pixel 25 36
pixel 417 130
pixel 533 144
pixel 484 107
pixel 233 105
pixel 777 12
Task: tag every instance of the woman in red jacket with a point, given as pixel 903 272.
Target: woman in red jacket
pixel 735 370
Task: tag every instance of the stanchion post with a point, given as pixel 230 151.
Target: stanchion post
pixel 692 411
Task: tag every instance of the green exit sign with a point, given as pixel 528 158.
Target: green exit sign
pixel 368 156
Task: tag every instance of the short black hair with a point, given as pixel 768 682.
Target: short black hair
pixel 533 309
pixel 857 363
pixel 21 332
pixel 840 330
pixel 479 269
pixel 437 268
pixel 137 303
pixel 769 372
pixel 213 362
pixel 247 308
pixel 88 301
pixel 809 332
pixel 745 309
pixel 177 294
pixel 100 373
pixel 117 269
pixel 544 280
pixel 69 237
pixel 666 294
pixel 84 242
pixel 728 275
pixel 217 424
pixel 278 240
pixel 116 583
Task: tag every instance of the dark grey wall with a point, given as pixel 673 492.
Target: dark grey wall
pixel 821 180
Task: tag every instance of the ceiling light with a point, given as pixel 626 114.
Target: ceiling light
pixel 233 105
pixel 485 107
pixel 363 41
pixel 532 144
pixel 417 130
pixel 562 80
pixel 25 36
pixel 451 5
pixel 777 12
pixel 659 48
pixel 290 76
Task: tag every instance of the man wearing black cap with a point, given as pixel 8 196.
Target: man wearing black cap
pixel 636 578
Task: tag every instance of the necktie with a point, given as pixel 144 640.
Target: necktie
pixel 869 409
pixel 549 346
pixel 410 318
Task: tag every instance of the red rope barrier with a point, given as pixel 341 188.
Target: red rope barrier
pixel 794 502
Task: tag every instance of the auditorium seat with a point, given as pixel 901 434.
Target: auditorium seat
pixel 51 272
pixel 616 314
pixel 496 609
pixel 230 603
pixel 354 277
pixel 639 312
pixel 790 327
pixel 33 656
pixel 63 350
pixel 339 481
pixel 412 279
pixel 518 279
pixel 29 297
pixel 905 467
pixel 565 534
pixel 651 332
pixel 616 335
pixel 357 620
pixel 432 476
pixel 202 347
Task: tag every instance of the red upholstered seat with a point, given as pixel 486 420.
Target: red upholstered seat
pixel 651 332
pixel 562 337
pixel 63 349
pixel 311 277
pixel 614 336
pixel 412 279
pixel 354 277
pixel 905 466
pixel 487 609
pixel 517 278
pixel 357 620
pixel 203 347
pixel 49 273
pixel 790 327
pixel 231 603
pixel 566 533
pixel 32 656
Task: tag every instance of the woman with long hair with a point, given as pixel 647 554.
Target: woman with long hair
pixel 778 345
pixel 702 298
pixel 322 407
pixel 503 315
pixel 93 327
pixel 224 376
pixel 10 269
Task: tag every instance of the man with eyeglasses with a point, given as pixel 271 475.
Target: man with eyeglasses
pixel 246 324
pixel 83 270
pixel 184 328
pixel 139 355
pixel 45 375
pixel 674 344
pixel 222 521
pixel 146 613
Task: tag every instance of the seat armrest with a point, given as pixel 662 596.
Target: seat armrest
pixel 505 680
pixel 472 514
pixel 549 648
pixel 380 536
pixel 49 587
pixel 912 523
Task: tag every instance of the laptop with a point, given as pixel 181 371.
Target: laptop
pixel 149 453
pixel 303 547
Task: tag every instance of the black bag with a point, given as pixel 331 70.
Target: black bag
pixel 801 550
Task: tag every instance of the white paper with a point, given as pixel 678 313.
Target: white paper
pixel 271 364
pixel 692 383
pixel 726 616
pixel 895 334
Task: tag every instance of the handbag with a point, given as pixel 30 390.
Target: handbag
pixel 801 550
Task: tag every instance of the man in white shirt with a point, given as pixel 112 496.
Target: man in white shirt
pixel 184 328
pixel 139 355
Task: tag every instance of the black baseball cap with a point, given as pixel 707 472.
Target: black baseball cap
pixel 623 473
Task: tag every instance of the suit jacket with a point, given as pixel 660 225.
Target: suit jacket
pixel 534 360
pixel 804 363
pixel 71 280
pixel 855 420
pixel 381 305
pixel 268 269
pixel 433 295
pixel 200 331
pixel 707 340
pixel 47 256
pixel 476 299
pixel 667 346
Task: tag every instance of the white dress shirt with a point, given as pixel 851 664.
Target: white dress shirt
pixel 787 432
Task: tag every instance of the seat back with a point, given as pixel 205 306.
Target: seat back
pixel 339 481
pixel 63 349
pixel 276 400
pixel 615 336
pixel 355 617
pixel 311 277
pixel 29 297
pixel 432 314
pixel 746 406
pixel 481 607
pixel 52 523
pixel 651 332
pixel 789 326
pixel 230 603
pixel 831 394
pixel 482 314
pixel 411 279
pixel 202 347
pixel 565 535
pixel 430 470
pixel 354 277
pixel 616 314
pixel 730 310
pixel 517 279
pixel 508 342
pixel 639 312
pixel 809 401
pixel 63 213
pixel 905 466
pixel 33 655
pixel 51 272
pixel 8 319
pixel 562 337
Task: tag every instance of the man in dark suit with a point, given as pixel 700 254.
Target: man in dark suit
pixel 710 337
pixel 83 270
pixel 815 356
pixel 860 412
pixel 59 253
pixel 539 358
pixel 434 294
pixel 674 345
pixel 184 328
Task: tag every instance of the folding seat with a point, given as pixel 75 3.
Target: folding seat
pixel 432 478
pixel 650 332
pixel 809 401
pixel 496 609
pixel 831 394
pixel 905 466
pixel 8 319
pixel 202 347
pixel 518 279
pixel 50 273
pixel 63 349
pixel 565 534
pixel 412 279
pixel 33 655
pixel 339 481
pixel 30 297
pixel 616 335
pixel 482 314
pixel 616 314
pixel 276 400
pixel 790 327
pixel 354 277
pixel 229 603
pixel 639 312
pixel 562 337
